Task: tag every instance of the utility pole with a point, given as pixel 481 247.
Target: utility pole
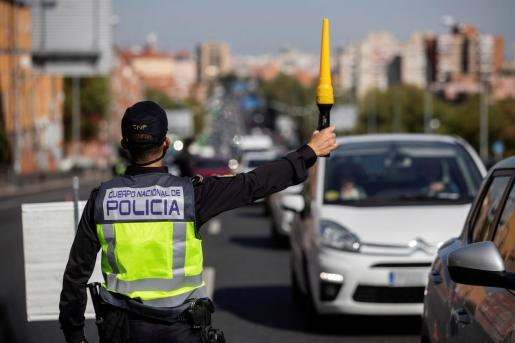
pixel 428 98
pixel 76 117
pixel 397 109
pixel 372 115
pixel 428 110
pixel 484 69
pixel 483 119
pixel 16 88
pixel 75 187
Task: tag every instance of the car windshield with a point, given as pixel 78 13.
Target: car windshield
pixel 400 172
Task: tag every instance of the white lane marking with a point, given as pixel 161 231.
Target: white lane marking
pixel 214 227
pixel 209 278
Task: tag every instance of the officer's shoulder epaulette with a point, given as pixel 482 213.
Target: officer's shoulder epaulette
pixel 197 180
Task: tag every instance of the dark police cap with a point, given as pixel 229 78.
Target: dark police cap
pixel 144 123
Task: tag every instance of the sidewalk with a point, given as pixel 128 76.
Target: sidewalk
pixel 24 186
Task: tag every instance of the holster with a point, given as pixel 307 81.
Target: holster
pixel 198 315
pixel 112 323
pixel 97 302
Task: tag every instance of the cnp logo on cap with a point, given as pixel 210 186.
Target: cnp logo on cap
pixel 139 127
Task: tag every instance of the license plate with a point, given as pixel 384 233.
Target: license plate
pixel 407 277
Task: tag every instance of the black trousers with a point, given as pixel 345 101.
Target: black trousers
pixel 142 331
pixel 122 327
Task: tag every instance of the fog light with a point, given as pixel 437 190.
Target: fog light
pixel 330 285
pixel 329 290
pixel 331 277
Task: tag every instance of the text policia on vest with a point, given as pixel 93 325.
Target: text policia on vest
pixel 153 203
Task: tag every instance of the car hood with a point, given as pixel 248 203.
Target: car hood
pixel 400 224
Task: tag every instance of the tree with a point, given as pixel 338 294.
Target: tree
pixel 502 124
pixel 163 99
pixel 287 91
pixel 398 106
pixel 199 115
pixel 94 105
pixel 405 105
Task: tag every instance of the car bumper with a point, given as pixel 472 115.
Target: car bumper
pixel 368 286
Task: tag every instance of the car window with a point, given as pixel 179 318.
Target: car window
pixel 481 229
pixel 392 173
pixel 505 234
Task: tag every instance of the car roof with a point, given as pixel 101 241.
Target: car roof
pixel 398 137
pixel 504 164
pixel 259 154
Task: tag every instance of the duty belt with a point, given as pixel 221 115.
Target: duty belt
pixel 163 314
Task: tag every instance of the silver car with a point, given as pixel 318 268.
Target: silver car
pixel 470 295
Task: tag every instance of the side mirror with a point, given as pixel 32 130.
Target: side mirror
pixel 479 264
pixel 293 202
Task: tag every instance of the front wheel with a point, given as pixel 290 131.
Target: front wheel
pixel 296 293
pixel 280 241
pixel 424 334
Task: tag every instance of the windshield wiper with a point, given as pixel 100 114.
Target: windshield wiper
pixel 418 196
pixel 427 196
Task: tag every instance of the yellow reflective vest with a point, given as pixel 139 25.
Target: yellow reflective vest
pixel 150 247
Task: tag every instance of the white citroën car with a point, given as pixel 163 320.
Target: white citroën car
pixel 372 216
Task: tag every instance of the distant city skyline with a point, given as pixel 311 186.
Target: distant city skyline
pixel 252 27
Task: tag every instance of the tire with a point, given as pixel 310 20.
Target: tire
pixel 424 334
pixel 280 241
pixel 266 209
pixel 297 296
pixel 307 298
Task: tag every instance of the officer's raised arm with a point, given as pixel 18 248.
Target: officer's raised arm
pixel 218 194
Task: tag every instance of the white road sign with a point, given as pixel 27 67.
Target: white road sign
pixel 48 232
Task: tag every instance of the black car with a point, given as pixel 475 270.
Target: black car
pixel 470 296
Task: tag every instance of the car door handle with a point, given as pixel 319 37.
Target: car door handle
pixel 461 316
pixel 435 277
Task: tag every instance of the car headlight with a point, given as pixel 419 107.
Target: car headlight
pixel 336 236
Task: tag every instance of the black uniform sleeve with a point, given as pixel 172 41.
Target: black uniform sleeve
pixel 81 263
pixel 215 194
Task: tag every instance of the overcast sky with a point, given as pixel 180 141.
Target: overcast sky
pixel 261 26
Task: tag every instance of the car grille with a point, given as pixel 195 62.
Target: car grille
pixel 384 295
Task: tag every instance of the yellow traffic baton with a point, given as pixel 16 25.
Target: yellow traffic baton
pixel 325 97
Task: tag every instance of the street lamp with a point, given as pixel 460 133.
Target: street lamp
pixel 483 106
pixel 428 98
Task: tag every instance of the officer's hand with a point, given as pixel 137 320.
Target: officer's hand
pixel 323 142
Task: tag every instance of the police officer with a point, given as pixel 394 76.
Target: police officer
pixel 146 224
